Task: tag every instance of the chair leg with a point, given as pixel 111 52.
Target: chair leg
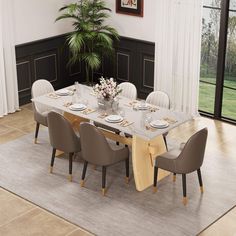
pixel 174 177
pixel 127 170
pixel 70 166
pixel 185 200
pixel 52 159
pixel 84 173
pixel 164 137
pixel 103 180
pixel 200 180
pixel 155 179
pixel 36 132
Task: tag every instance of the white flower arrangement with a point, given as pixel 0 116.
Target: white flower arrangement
pixel 106 89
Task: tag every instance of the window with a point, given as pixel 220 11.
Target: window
pixel 218 60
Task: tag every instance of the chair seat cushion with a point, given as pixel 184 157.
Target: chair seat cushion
pixel 167 160
pixel 120 153
pixel 41 118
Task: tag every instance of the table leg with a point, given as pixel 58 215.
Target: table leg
pixel 143 162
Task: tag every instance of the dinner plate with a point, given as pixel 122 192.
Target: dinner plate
pixel 161 124
pixel 63 92
pixel 78 107
pixel 142 106
pixel 114 118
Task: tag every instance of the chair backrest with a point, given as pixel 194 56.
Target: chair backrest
pixel 39 88
pixel 159 98
pixel 94 146
pixel 191 157
pixel 61 134
pixel 128 90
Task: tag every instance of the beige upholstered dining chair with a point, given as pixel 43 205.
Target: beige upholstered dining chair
pixel 184 161
pixel 97 151
pixel 39 88
pixel 159 98
pixel 62 137
pixel 128 90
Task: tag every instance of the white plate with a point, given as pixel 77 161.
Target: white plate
pixel 161 124
pixel 78 107
pixel 114 118
pixel 142 106
pixel 63 92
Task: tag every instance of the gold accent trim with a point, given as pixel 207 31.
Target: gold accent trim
pixel 155 189
pixel 103 191
pixel 174 178
pixel 82 183
pixel 126 180
pixel 202 189
pixel 70 178
pixel 185 200
pixel 50 169
pixel 94 167
pixel 35 141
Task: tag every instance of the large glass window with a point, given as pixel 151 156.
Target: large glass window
pixel 209 55
pixel 218 59
pixel 229 90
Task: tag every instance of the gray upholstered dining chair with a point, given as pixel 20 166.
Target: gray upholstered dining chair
pixel 184 161
pixel 62 137
pixel 161 99
pixel 39 88
pixel 97 151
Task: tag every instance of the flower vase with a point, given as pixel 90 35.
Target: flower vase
pixel 105 104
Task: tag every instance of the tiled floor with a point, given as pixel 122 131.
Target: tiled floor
pixel 19 217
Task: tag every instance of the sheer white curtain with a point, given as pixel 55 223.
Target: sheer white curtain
pixel 177 52
pixel 8 79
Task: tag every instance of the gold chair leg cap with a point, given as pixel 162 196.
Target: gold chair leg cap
pixel 50 169
pixel 94 167
pixel 35 141
pixel 185 200
pixel 103 191
pixel 154 189
pixel 174 178
pixel 202 189
pixel 127 180
pixel 82 183
pixel 70 178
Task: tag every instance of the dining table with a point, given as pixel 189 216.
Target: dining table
pixel 135 130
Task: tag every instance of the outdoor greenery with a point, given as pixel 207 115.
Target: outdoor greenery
pixel 92 38
pixel 209 56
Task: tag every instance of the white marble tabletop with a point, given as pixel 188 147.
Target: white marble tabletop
pixel 139 126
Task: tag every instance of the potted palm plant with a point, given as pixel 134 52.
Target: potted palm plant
pixel 92 38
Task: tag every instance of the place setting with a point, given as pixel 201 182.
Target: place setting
pixel 154 124
pixel 64 92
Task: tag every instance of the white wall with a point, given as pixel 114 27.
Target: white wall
pixel 35 19
pixel 133 26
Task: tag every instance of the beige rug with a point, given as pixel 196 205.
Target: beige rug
pixel 124 211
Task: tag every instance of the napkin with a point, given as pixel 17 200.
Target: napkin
pixel 53 95
pixel 170 120
pixel 103 115
pixel 88 111
pixel 126 123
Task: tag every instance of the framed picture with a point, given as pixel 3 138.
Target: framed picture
pixel 130 7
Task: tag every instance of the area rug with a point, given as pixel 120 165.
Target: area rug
pixel 124 211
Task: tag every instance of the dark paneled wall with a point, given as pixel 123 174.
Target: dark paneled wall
pixel 47 59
